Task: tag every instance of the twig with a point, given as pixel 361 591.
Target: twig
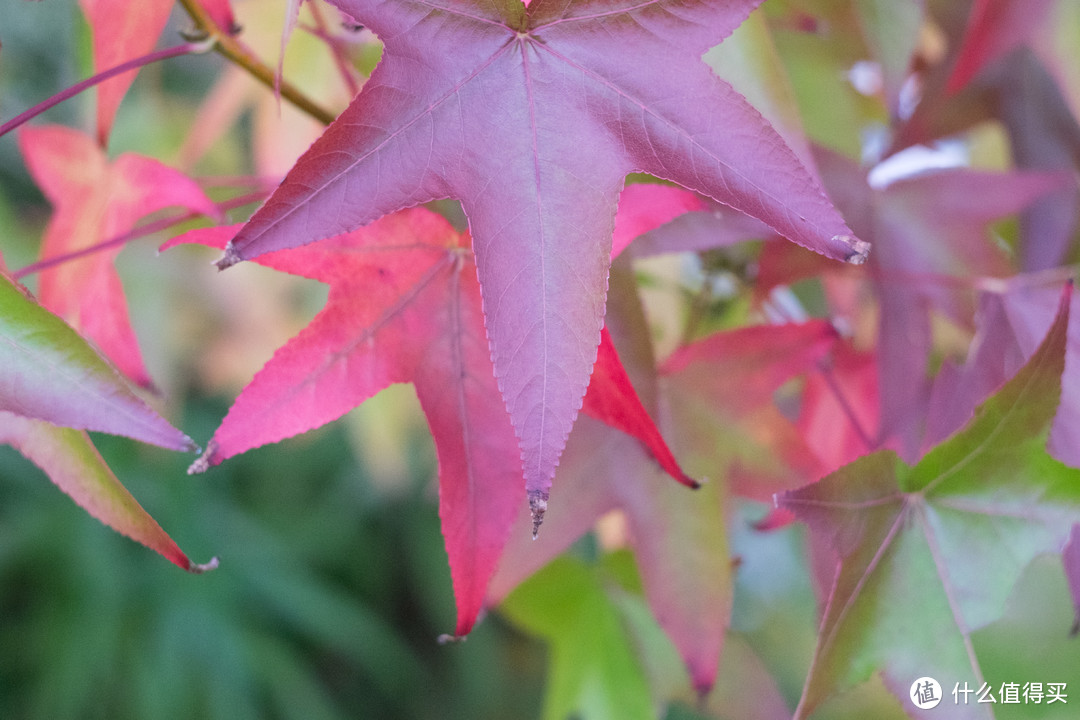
pixel 189 48
pixel 236 52
pixel 133 234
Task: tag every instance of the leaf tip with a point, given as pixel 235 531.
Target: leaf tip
pixel 447 639
pixel 200 568
pixel 537 506
pixel 205 461
pixel 230 258
pixel 858 250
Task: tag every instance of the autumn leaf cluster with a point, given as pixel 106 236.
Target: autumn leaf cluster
pixel 664 272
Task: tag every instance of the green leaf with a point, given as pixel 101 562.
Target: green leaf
pixel 930 553
pixel 49 372
pixel 595 673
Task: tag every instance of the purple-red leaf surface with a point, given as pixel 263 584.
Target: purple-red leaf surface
pixel 928 231
pixel 95 200
pixel 532 117
pixel 48 372
pixel 994 28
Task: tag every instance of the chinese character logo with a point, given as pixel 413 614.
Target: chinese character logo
pixel 925 693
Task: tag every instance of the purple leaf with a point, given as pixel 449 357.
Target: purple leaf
pixel 532 118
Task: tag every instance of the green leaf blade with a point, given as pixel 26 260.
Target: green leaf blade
pixel 929 554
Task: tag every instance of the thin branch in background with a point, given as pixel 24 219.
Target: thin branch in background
pixel 237 53
pixel 134 234
pixel 190 48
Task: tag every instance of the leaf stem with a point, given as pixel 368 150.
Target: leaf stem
pixel 134 234
pixel 237 53
pixel 185 49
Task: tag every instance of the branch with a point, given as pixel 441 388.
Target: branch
pixel 235 52
pixel 133 234
pixel 185 49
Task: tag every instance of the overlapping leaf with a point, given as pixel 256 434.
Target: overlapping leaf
pixel 929 553
pixel 724 376
pixel 404 306
pixel 52 387
pixel 927 229
pixel 96 200
pixel 532 118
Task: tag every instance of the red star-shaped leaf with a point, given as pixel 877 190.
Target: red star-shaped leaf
pixel 94 200
pixel 404 306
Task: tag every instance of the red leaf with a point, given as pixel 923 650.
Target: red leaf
pixel 612 398
pixel 95 200
pixel 994 28
pixel 221 13
pixel 604 471
pixel 721 391
pixel 644 207
pixel 404 306
pixel 122 30
pixel 573 97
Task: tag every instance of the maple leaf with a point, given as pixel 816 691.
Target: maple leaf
pixel 929 553
pixel 404 306
pixel 125 29
pixel 51 374
pixel 532 117
pixel 925 228
pixel 1027 92
pixel 50 377
pixel 95 200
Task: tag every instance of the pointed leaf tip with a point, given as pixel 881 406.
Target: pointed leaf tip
pixel 448 639
pixel 230 258
pixel 200 568
pixel 860 249
pixel 206 461
pixel 538 501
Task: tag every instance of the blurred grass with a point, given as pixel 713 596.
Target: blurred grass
pixel 327 603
